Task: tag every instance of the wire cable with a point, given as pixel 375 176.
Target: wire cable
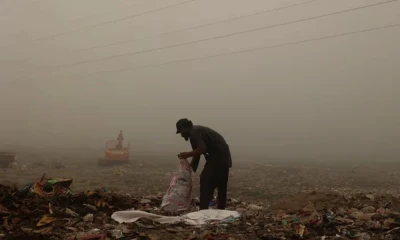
pixel 102 13
pixel 252 49
pixel 223 36
pixel 104 23
pixel 187 29
pixel 236 52
pixel 201 25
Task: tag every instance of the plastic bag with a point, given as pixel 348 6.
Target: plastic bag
pixel 178 196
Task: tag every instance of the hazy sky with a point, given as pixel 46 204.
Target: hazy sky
pixel 333 97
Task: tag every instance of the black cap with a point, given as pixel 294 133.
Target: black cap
pixel 182 123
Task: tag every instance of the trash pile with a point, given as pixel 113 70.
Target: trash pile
pixel 49 210
pixel 8 160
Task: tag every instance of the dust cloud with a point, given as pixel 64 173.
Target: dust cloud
pixel 74 73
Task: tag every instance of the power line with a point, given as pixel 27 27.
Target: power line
pixel 116 20
pixel 202 25
pixel 252 49
pixel 77 19
pixel 105 23
pixel 223 36
pixel 102 13
pixel 190 28
pixel 240 51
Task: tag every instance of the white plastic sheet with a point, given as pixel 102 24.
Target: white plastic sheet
pixel 195 218
pixel 131 216
pixel 179 193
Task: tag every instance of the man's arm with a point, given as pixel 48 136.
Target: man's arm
pixel 199 148
pixel 196 153
pixel 198 145
pixel 195 163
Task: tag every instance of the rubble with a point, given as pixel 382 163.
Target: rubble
pixel 87 215
pixel 8 160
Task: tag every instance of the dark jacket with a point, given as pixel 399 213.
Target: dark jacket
pixel 217 150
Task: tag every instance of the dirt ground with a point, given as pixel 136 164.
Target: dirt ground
pixel 263 182
pixel 275 198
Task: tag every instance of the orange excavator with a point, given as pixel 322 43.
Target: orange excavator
pixel 115 152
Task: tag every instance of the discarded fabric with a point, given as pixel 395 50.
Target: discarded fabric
pixel 195 218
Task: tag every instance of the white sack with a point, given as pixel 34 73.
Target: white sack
pixel 179 193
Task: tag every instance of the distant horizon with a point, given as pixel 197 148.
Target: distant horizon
pixel 69 151
pixel 291 79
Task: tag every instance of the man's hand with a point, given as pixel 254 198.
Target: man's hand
pixel 184 155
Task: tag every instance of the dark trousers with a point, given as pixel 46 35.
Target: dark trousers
pixel 213 176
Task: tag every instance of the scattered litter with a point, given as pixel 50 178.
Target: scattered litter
pixel 101 214
pixel 254 207
pixel 48 187
pixel 88 218
pixel 90 206
pixel 301 230
pixel 45 220
pixel 370 197
pixel 71 213
pixel 116 234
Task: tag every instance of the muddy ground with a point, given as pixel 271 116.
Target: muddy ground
pixel 262 181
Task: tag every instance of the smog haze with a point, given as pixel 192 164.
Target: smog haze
pixel 274 84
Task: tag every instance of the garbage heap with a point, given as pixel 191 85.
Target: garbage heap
pixel 28 215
